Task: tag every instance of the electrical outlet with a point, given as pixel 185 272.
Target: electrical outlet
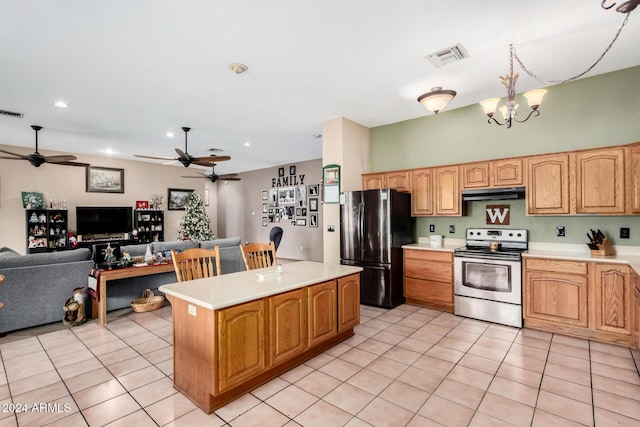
pixel 452 229
pixel 624 232
pixel 432 228
pixel 560 231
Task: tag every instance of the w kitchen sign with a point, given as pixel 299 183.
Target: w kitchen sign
pixel 498 214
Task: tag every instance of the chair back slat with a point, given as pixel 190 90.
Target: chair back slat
pixel 259 255
pixel 196 263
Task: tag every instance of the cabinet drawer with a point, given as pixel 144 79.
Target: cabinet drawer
pixel 428 270
pixel 428 290
pixel 420 254
pixel 570 267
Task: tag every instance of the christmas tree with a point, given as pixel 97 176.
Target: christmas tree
pixel 195 224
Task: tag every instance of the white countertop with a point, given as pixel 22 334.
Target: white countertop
pixel 447 247
pixel 632 260
pixel 230 289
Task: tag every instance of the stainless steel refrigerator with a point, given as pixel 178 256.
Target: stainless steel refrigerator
pixel 374 224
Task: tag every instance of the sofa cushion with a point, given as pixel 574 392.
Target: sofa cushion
pixel 7 253
pixel 178 245
pixel 223 243
pixel 231 260
pixel 46 258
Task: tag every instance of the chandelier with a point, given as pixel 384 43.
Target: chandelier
pixel 534 97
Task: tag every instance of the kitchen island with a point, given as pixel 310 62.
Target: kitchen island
pixel 237 331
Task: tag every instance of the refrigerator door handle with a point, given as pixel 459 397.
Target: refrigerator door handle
pixel 361 227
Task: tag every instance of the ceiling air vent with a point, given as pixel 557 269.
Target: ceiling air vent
pixel 446 56
pixel 11 114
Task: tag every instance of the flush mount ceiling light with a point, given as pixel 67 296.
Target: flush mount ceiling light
pixel 169 134
pixel 238 68
pixel 61 104
pixel 436 100
pixel 534 97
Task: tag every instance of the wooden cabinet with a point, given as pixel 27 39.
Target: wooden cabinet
pixel 397 180
pixel 287 326
pixel 506 173
pixel 348 302
pixel 636 292
pixel 591 300
pixel 613 295
pixel 46 230
pixel 475 175
pixel 428 278
pixel 374 181
pixel 633 180
pixel 422 192
pixel 555 292
pixel 447 191
pixel 600 177
pixel 241 343
pixel 548 185
pixel 149 224
pixel 322 317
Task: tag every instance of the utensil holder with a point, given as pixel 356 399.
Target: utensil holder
pixel 604 249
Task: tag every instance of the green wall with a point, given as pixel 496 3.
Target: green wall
pixel 593 112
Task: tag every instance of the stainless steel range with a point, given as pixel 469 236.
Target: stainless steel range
pixel 488 275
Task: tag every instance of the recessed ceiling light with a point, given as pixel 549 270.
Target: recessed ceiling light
pixel 109 151
pixel 169 134
pixel 238 68
pixel 247 144
pixel 61 104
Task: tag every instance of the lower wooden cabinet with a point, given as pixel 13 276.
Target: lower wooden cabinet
pixel 348 302
pixel 321 306
pixel 241 343
pixel 287 326
pixel 636 291
pixel 591 300
pixel 428 278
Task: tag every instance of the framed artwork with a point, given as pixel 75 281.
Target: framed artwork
pixel 265 195
pixel 313 204
pixel 273 197
pixel 264 208
pixel 301 195
pixel 280 172
pixel 104 180
pixel 142 204
pixel 286 195
pixel 293 223
pixel 292 170
pixel 31 200
pixel 289 211
pixel 301 211
pixel 264 222
pixel 331 184
pixel 313 220
pixel 301 222
pixel 312 190
pixel 178 198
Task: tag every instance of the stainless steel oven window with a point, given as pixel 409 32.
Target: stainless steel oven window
pixel 487 277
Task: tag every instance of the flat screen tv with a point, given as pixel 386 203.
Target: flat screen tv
pixel 104 219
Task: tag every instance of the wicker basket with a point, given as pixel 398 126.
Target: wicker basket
pixel 148 302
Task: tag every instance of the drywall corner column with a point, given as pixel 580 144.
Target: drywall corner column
pixel 344 143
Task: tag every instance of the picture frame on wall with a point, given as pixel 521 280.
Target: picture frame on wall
pixel 177 198
pixel 313 220
pixel 292 170
pixel 264 222
pixel 104 180
pixel 331 184
pixel 301 195
pixel 273 197
pixel 286 195
pixel 313 204
pixel 312 190
pixel 265 195
pixel 301 222
pixel 280 172
pixel 264 208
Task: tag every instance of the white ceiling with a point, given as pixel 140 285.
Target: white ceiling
pixel 133 70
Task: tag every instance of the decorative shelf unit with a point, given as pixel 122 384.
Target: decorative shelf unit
pixel 150 225
pixel 47 230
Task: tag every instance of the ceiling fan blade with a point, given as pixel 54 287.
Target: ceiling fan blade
pixel 190 176
pixel 182 153
pixel 79 164
pixel 13 158
pixel 155 157
pixel 60 159
pixel 210 160
pixel 20 156
pixel 230 178
pixel 198 172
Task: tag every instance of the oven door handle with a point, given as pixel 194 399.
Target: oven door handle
pixel 488 257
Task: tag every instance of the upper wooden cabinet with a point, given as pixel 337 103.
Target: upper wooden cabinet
pixel 634 178
pixel 374 181
pixel 496 173
pixel 447 191
pixel 422 192
pixel 397 180
pixel 600 181
pixel 548 185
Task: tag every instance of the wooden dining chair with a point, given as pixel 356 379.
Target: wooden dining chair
pixel 259 255
pixel 196 263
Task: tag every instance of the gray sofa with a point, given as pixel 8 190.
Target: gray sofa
pixel 36 286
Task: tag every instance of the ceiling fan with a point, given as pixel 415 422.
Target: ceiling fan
pixel 187 159
pixel 213 177
pixel 37 159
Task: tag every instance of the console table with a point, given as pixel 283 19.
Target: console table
pixel 100 309
pixel 234 332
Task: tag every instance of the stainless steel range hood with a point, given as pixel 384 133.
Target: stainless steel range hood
pixel 507 193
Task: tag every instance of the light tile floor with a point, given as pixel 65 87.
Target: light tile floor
pixel 409 366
